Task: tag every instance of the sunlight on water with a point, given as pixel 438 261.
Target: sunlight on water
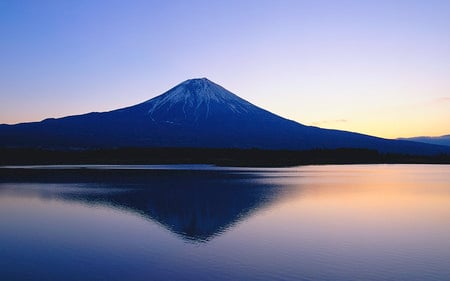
pixel 358 222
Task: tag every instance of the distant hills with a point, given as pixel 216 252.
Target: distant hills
pixel 442 140
pixel 196 113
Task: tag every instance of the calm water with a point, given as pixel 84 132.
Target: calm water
pixel 356 222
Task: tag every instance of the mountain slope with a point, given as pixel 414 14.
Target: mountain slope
pixel 195 113
pixel 442 140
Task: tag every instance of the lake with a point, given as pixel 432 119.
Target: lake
pixel 348 222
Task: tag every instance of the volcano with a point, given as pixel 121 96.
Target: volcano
pixel 196 113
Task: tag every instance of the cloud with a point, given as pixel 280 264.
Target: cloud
pixel 442 99
pixel 324 122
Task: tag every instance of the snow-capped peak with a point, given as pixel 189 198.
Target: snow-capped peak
pixel 195 98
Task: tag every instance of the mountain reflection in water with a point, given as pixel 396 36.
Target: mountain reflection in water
pixel 195 205
pixel 352 222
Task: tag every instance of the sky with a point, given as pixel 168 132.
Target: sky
pixel 376 67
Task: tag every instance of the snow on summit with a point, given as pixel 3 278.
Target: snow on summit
pixel 195 99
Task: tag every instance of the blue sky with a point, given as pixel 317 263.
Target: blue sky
pixel 376 67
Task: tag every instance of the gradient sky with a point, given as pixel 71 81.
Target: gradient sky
pixel 375 67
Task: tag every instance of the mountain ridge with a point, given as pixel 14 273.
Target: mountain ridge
pixel 194 113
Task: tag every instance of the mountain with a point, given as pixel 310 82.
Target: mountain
pixel 195 113
pixel 442 140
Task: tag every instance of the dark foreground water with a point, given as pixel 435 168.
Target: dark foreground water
pixel 359 222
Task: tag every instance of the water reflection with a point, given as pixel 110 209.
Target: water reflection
pixel 357 222
pixel 195 205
